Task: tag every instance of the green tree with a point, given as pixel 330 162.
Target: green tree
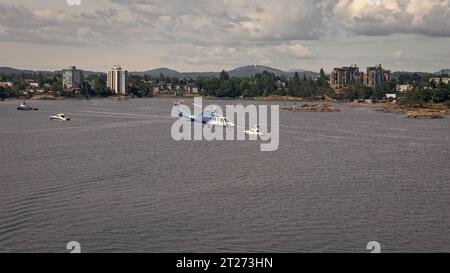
pixel 162 78
pixel 322 80
pixel 296 78
pixel 4 94
pixel 224 76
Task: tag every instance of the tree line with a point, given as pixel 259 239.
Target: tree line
pixel 224 86
pixel 263 84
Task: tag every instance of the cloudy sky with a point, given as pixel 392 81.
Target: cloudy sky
pixel 210 35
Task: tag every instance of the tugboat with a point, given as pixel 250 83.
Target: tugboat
pixel 60 116
pixel 25 107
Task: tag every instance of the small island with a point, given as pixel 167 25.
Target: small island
pixel 46 97
pixel 324 108
pixel 421 114
pixel 424 111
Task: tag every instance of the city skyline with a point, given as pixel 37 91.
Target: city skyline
pixel 188 36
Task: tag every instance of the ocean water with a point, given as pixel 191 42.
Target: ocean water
pixel 114 180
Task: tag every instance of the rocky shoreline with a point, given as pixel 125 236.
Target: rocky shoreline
pixel 46 97
pixel 416 113
pixel 430 111
pixel 323 108
pixel 424 115
pixel 278 98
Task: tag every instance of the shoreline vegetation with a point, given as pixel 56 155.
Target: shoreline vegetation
pixel 415 95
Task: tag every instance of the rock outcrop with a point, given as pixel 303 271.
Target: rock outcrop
pixel 312 108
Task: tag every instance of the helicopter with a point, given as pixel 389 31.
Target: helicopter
pixel 209 118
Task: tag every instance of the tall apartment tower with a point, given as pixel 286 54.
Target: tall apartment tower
pixel 376 75
pixel 116 80
pixel 345 76
pixel 72 78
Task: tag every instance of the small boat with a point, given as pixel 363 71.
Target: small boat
pixel 254 131
pixel 60 116
pixel 25 107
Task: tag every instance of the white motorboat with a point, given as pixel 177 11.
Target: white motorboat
pixel 25 107
pixel 254 131
pixel 60 116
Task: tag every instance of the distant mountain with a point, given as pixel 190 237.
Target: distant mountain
pixel 244 71
pixel 397 74
pixel 88 73
pixel 167 72
pixel 251 70
pixel 201 74
pixel 12 71
pixel 9 71
pixel 156 72
pixel 302 72
pixel 443 71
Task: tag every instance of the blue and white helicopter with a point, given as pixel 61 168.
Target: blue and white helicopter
pixel 206 118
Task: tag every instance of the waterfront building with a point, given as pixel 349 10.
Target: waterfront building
pixel 155 90
pixel 72 78
pixel 346 76
pixel 403 88
pixel 194 90
pixel 445 80
pixel 391 96
pixel 376 75
pixel 6 84
pixel 116 80
pixel 159 88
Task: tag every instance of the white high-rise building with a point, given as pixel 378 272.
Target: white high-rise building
pixel 116 80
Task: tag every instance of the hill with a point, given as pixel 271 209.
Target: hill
pixel 15 71
pixel 244 71
pixel 167 72
pixel 9 71
pixel 302 72
pixel 443 71
pixel 156 72
pixel 398 74
pixel 251 70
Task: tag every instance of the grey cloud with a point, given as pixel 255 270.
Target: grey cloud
pixel 19 23
pixel 290 54
pixel 232 32
pixel 224 22
pixel 424 17
pixel 233 20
